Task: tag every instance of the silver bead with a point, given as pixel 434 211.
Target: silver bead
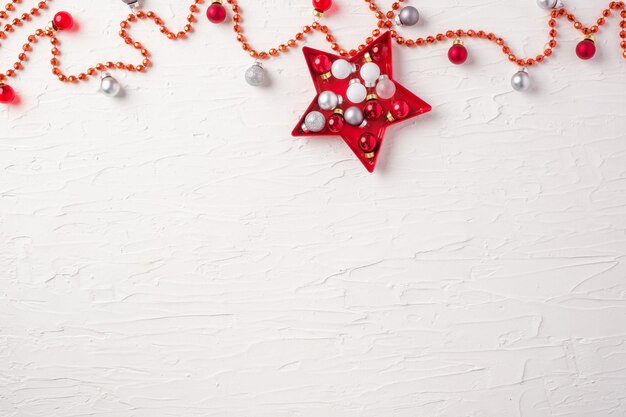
pixel 314 122
pixel 353 116
pixel 255 75
pixel 520 81
pixel 328 100
pixel 109 85
pixel 408 16
pixel 547 4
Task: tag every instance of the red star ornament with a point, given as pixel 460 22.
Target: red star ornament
pixel 357 100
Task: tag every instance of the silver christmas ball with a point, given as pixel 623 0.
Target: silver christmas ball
pixel 110 86
pixel 520 81
pixel 314 122
pixel 547 4
pixel 408 16
pixel 133 4
pixel 353 116
pixel 255 75
pixel 328 100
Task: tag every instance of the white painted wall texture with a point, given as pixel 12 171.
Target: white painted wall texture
pixel 176 253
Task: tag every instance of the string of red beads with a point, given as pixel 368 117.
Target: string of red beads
pixel 385 21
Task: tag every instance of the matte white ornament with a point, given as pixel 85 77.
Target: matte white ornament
pixel 370 73
pixel 342 69
pixel 356 92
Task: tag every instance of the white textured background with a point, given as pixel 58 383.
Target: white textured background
pixel 177 253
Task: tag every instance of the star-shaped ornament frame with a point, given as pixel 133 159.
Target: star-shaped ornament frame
pixel 402 106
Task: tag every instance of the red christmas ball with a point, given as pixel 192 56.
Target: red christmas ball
pixel 372 110
pixel 216 13
pixel 335 123
pixel 7 94
pixel 322 64
pixel 378 52
pixel 457 54
pixel 63 21
pixel 322 5
pixel 399 109
pixel 367 142
pixel 586 49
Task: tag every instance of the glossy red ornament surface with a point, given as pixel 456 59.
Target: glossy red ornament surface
pixel 409 104
pixel 400 109
pixel 336 123
pixel 457 54
pixel 586 49
pixel 216 13
pixel 63 21
pixel 321 64
pixel 372 110
pixel 378 52
pixel 368 142
pixel 322 5
pixel 7 94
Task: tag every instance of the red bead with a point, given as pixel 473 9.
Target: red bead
pixel 63 21
pixel 399 109
pixel 322 5
pixel 216 13
pixel 457 54
pixel 7 94
pixel 367 142
pixel 335 123
pixel 586 49
pixel 378 52
pixel 321 64
pixel 372 110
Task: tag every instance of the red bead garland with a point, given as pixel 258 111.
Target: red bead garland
pixel 63 21
pixel 586 49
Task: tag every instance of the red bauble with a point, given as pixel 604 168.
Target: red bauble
pixel 379 52
pixel 372 110
pixel 321 64
pixel 7 94
pixel 586 49
pixel 216 13
pixel 322 5
pixel 335 123
pixel 399 109
pixel 457 54
pixel 367 142
pixel 63 21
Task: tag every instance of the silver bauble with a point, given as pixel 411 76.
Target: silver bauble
pixel 328 100
pixel 408 16
pixel 547 4
pixel 353 116
pixel 520 81
pixel 314 122
pixel 133 4
pixel 255 75
pixel 110 86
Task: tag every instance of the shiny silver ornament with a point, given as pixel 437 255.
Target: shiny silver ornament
pixel 547 4
pixel 328 100
pixel 109 85
pixel 408 16
pixel 133 4
pixel 520 81
pixel 314 122
pixel 353 116
pixel 255 75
